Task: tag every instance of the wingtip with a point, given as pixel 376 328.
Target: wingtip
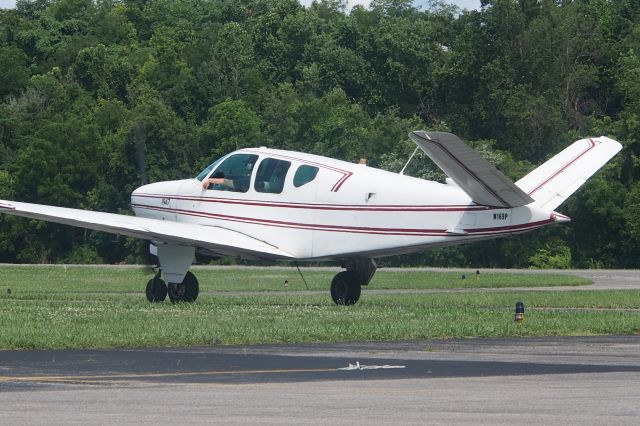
pixel 559 217
pixel 5 205
pixel 609 141
pixel 416 135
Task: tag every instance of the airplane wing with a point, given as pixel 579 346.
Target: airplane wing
pixel 213 238
pixel 477 177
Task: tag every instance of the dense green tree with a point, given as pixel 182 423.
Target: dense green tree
pixel 103 71
pixel 14 71
pixel 631 216
pixel 232 125
pixel 99 96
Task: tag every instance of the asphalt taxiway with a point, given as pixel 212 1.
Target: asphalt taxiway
pixel 303 363
pixel 542 380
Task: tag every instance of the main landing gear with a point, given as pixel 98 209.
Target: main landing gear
pixel 345 288
pixel 347 285
pixel 185 291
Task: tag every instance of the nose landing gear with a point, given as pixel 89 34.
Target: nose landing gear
pixel 156 289
pixel 186 291
pixel 175 261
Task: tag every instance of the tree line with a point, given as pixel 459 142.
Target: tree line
pixel 86 86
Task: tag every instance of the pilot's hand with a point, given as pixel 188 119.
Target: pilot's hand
pixel 212 181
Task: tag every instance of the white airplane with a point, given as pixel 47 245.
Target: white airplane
pixel 284 205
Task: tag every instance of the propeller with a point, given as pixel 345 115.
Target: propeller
pixel 139 136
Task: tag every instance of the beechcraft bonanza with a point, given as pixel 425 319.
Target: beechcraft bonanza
pixel 284 205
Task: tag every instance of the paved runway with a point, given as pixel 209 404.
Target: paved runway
pixel 542 380
pixel 300 363
pixel 555 380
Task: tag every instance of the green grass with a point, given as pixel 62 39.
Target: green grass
pixel 54 281
pixel 72 313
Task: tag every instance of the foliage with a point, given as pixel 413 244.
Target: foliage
pixel 191 80
pixel 552 256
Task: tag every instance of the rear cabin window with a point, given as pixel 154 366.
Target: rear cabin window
pixel 271 174
pixel 304 175
pixel 235 172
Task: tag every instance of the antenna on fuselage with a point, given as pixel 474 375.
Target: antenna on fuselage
pixel 409 160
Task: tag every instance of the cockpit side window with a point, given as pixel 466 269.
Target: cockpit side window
pixel 203 174
pixel 271 174
pixel 234 173
pixel 304 175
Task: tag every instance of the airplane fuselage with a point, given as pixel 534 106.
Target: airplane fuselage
pixel 345 210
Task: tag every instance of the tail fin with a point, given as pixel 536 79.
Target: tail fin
pixel 554 181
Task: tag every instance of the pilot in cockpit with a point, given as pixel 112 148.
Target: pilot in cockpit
pixel 234 174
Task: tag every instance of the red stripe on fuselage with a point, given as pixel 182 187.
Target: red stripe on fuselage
pixel 341 207
pixel 349 229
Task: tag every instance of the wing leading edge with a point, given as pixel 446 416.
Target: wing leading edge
pixel 216 239
pixel 477 177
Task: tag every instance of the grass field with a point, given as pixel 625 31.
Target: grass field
pixel 85 307
pixel 53 281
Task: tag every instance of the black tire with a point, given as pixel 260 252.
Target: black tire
pixel 156 290
pixel 186 291
pixel 345 288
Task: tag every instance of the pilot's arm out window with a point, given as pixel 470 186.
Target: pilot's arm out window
pixel 233 174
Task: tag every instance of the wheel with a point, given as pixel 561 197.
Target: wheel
pixel 156 290
pixel 186 291
pixel 345 289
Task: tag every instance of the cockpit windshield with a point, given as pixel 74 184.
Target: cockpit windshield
pixel 203 174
